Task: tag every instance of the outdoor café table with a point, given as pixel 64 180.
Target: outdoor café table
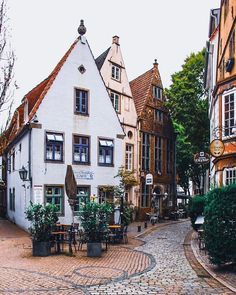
pixel 114 226
pixel 59 238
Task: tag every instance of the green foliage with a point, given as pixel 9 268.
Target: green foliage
pixel 196 208
pixel 94 219
pixel 127 213
pixel 220 225
pixel 188 107
pixel 42 219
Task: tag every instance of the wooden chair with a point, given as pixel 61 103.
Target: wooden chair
pixel 81 239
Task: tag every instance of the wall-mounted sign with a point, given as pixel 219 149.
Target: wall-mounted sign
pixel 217 148
pixel 149 179
pixel 38 194
pixel 201 158
pixel 83 174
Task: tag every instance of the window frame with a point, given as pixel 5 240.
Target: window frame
pixel 80 112
pixel 108 194
pixel 160 117
pixel 145 195
pixel 78 201
pixel 62 197
pixel 146 151
pixel 228 180
pixel 114 99
pixel 157 92
pixel 129 157
pixel 169 156
pixel 106 148
pixel 115 76
pixel 158 154
pixel 54 143
pixel 229 128
pixel 81 146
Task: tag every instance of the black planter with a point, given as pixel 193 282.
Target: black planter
pixel 41 248
pixel 94 249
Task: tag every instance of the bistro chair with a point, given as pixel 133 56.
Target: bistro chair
pixel 81 239
pixel 123 234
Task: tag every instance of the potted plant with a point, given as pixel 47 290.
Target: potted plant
pixel 94 220
pixel 42 219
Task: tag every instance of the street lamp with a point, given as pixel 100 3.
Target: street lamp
pixel 23 174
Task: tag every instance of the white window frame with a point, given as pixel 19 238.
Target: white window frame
pixel 115 99
pixel 129 157
pixel 232 178
pixel 115 72
pixel 157 92
pixel 228 93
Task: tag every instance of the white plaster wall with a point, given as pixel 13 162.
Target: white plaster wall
pixel 56 113
pixel 22 194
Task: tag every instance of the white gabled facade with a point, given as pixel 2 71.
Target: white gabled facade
pixel 112 68
pixel 77 125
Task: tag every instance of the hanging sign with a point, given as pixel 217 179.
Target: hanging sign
pixel 149 179
pixel 217 148
pixel 202 158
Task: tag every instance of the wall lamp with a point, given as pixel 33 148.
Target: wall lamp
pixel 23 174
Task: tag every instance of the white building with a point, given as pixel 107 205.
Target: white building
pixel 112 68
pixel 66 119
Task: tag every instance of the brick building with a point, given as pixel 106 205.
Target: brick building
pixel 157 143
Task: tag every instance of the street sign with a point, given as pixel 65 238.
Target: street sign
pixel 201 158
pixel 149 179
pixel 217 148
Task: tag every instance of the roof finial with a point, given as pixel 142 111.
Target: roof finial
pixel 82 29
pixel 155 64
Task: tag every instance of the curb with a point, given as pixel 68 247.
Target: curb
pixel 211 273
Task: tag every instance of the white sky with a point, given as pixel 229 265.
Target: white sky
pixel 43 30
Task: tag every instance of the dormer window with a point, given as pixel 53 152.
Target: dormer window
pixel 157 92
pixel 115 72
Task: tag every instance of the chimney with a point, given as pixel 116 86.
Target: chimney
pixel 115 39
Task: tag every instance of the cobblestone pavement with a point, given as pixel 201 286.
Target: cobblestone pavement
pixel 157 267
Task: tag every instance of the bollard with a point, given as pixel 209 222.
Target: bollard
pixel 139 228
pixel 145 224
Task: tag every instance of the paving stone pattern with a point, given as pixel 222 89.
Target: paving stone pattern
pixel 159 266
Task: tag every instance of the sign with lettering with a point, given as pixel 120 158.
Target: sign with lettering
pixel 201 158
pixel 38 194
pixel 149 179
pixel 84 174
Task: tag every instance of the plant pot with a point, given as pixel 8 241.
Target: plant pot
pixel 94 249
pixel 41 248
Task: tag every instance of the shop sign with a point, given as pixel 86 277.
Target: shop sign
pixel 202 158
pixel 83 174
pixel 149 179
pixel 217 148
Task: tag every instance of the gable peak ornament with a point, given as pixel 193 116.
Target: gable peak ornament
pixel 82 29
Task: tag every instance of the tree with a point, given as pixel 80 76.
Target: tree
pixel 188 107
pixel 7 62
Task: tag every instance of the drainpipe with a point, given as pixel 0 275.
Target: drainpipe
pixel 29 157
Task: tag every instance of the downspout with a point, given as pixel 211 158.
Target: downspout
pixel 29 157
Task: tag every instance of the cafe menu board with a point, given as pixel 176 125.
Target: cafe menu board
pixel 38 194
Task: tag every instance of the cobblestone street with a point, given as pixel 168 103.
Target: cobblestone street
pixel 157 267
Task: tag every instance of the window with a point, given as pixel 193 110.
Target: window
pixel 229 114
pixel 12 199
pixel 115 99
pixel 145 195
pixel 157 92
pixel 115 72
pixel 230 176
pixel 13 160
pixel 83 196
pixel 129 157
pixel 54 147
pixel 105 157
pixel 145 151
pixel 158 115
pixel 158 154
pixel 81 149
pixel 9 163
pixel 106 195
pixel 54 195
pixel 81 101
pixel 169 155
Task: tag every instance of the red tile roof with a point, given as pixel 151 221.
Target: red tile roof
pixel 141 87
pixel 34 99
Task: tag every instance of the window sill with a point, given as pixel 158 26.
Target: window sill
pixel 54 161
pixel 82 163
pixel 81 114
pixel 105 165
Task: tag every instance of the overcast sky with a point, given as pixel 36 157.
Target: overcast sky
pixel 43 30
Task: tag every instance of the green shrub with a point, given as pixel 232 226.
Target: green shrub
pixel 220 225
pixel 196 208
